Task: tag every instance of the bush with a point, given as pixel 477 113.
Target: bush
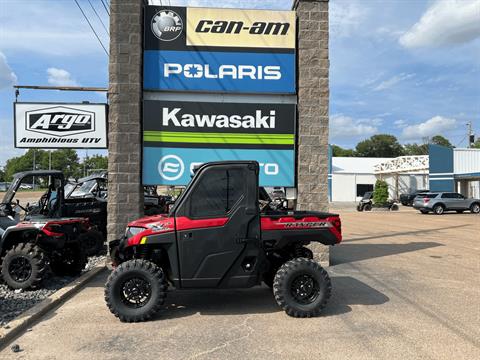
pixel 380 194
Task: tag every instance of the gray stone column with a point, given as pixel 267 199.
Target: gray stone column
pixel 125 192
pixel 313 96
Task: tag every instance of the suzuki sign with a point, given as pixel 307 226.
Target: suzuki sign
pixel 48 125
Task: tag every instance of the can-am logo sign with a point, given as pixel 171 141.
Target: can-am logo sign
pixel 60 121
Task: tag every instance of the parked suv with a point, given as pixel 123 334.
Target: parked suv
pixel 407 199
pixel 445 201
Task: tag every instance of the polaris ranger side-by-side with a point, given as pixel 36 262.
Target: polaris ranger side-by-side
pixel 47 238
pixel 216 236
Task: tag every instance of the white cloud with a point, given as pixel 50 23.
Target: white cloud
pixel 387 84
pixel 345 17
pixel 434 126
pixel 60 77
pixel 446 22
pixel 400 123
pixel 342 126
pixel 7 76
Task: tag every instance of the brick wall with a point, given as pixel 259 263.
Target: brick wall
pixel 125 193
pixel 313 96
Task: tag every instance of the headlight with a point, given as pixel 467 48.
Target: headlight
pixel 133 230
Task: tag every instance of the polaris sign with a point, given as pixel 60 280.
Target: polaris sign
pixel 219 71
pixel 41 125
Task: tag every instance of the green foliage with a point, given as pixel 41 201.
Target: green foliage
pixel 338 151
pixel 95 162
pixel 440 140
pixel 65 160
pixel 382 145
pixel 2 175
pixel 476 144
pixel 415 149
pixel 380 194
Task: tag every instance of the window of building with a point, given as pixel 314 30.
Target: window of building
pixel 363 188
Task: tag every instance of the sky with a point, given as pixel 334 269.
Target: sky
pixel 410 68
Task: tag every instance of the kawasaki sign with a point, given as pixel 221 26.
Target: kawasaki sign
pixel 180 135
pixel 47 125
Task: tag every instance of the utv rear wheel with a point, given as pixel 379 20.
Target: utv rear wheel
pixel 302 288
pixel 71 262
pixel 367 207
pixel 24 266
pixel 93 242
pixel 136 290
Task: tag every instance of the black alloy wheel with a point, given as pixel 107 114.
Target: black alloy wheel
pixel 136 292
pixel 20 269
pixel 305 289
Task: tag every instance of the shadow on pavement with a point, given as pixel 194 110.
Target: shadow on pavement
pixel 348 253
pixel 350 291
pixel 259 300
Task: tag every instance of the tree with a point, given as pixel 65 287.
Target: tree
pixel 382 145
pixel 380 194
pixel 339 151
pixel 441 140
pixel 2 175
pixel 415 149
pixel 95 162
pixel 24 162
pixel 476 144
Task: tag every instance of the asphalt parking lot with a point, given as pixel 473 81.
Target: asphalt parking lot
pixel 406 286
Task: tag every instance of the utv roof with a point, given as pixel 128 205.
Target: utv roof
pixel 100 175
pixel 38 173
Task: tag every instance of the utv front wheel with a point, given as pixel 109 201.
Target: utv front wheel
pixel 24 266
pixel 302 288
pixel 136 290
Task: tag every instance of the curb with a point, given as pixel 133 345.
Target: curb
pixel 34 314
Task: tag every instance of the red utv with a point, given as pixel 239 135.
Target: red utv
pixel 216 236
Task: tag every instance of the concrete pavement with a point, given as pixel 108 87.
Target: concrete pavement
pixel 405 286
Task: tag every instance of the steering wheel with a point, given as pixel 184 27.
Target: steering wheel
pixel 20 206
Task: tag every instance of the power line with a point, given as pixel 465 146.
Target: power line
pixel 99 18
pixel 91 27
pixel 105 6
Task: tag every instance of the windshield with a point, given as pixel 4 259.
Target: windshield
pixel 8 197
pixel 86 188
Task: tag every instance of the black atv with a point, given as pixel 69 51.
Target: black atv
pixel 45 240
pixel 216 236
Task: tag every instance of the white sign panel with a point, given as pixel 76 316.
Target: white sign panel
pixel 60 126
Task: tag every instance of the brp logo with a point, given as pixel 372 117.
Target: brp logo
pixel 171 167
pixel 167 25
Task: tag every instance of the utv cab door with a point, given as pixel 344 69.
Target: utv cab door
pixel 218 227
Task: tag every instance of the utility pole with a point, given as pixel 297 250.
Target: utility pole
pixel 470 135
pixel 34 167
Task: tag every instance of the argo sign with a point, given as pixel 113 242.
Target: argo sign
pixel 42 125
